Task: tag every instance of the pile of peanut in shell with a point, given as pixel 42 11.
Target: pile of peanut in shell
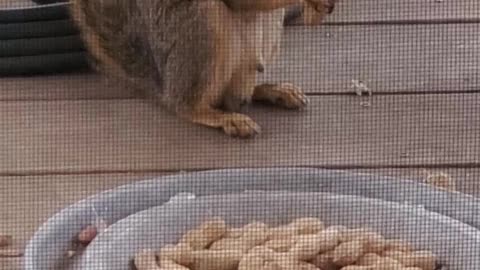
pixel 304 244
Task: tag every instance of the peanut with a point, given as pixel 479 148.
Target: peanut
pixel 287 263
pixel 358 267
pixel 374 242
pixel 171 265
pixel 306 266
pixel 397 245
pixel 226 243
pixel 259 258
pixel 369 259
pixel 348 252
pixel 216 259
pixel 282 232
pixel 206 234
pixel 253 235
pixel 146 260
pixel 325 261
pixel 251 262
pixel 181 253
pixel 338 228
pixel 234 233
pixel 363 235
pixel 421 259
pixel 281 245
pixel 307 225
pixel 386 263
pixel 308 246
pixel 304 244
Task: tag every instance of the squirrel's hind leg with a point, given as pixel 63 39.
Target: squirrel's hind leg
pixel 200 69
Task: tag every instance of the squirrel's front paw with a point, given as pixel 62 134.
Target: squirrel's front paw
pixel 322 6
pixel 239 125
pixel 284 94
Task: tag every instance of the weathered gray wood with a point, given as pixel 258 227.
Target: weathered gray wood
pixel 335 131
pixel 465 180
pixel 405 10
pixel 390 59
pixel 61 87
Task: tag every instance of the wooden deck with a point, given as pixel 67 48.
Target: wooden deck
pixel 66 137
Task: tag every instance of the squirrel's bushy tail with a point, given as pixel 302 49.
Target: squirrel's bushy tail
pixel 110 30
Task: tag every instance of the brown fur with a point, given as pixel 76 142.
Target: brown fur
pixel 199 58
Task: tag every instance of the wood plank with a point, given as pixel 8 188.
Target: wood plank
pixel 335 131
pixel 389 59
pixel 370 11
pixel 365 11
pixel 26 202
pixel 61 87
pixel 465 180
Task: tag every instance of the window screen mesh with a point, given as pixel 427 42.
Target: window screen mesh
pixel 388 140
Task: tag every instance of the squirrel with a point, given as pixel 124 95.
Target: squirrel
pixel 197 58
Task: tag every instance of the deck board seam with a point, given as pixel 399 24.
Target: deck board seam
pixel 471 165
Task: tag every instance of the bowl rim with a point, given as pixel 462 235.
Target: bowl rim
pixel 53 237
pixel 100 252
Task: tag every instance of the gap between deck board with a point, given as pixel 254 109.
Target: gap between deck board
pixel 384 11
